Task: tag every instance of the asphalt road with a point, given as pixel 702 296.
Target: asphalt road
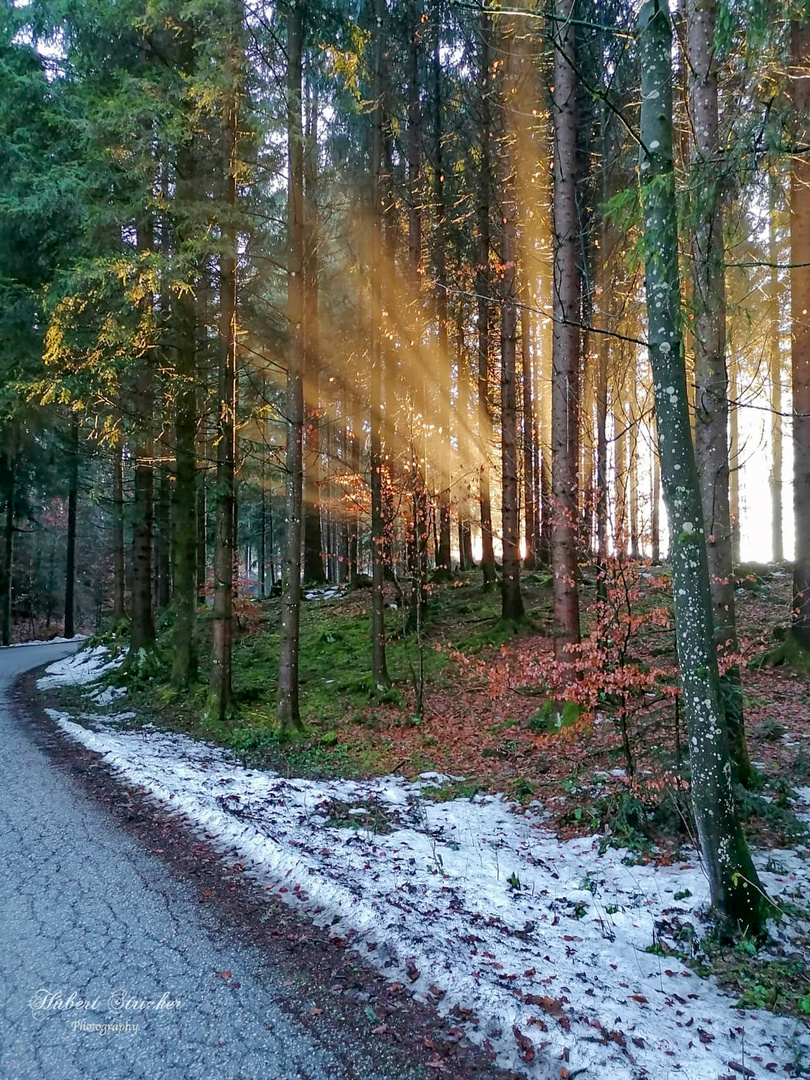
pixel 86 911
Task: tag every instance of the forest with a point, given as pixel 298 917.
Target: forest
pixel 425 384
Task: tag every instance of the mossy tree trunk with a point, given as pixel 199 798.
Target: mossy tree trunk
pixel 735 890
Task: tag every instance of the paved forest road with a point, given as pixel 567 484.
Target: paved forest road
pixel 84 909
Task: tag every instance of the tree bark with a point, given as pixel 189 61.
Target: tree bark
pixel 220 673
pixel 800 319
pixel 142 630
pixel 443 552
pixel 735 890
pixel 775 374
pixel 186 523
pixel 8 475
pixel 566 336
pixel 483 285
pixel 709 302
pixel 288 714
pixel 466 561
pixel 527 371
pixel 734 461
pixel 163 541
pixel 378 661
pixel 119 577
pixel 313 541
pixel 511 598
pixel 73 501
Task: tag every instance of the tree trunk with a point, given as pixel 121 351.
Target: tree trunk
pixel 443 556
pixel 73 501
pixel 119 578
pixel 709 301
pixel 220 673
pixel 620 472
pixel 186 518
pixel 142 634
pixel 289 715
pixel 142 630
pixel 483 285
pixel 378 662
pixel 601 441
pixel 511 598
pixel 607 252
pixel 655 516
pixel 466 561
pixel 529 508
pixel 735 889
pixel 632 475
pixel 800 320
pixel 313 541
pixel 734 462
pixel 8 473
pixel 566 336
pixel 775 373
pixel 163 541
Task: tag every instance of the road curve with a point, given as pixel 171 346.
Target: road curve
pixel 85 911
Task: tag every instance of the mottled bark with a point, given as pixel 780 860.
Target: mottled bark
pixel 735 890
pixel 566 335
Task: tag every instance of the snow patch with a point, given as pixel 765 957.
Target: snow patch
pixel 83 667
pixel 48 641
pixel 478 905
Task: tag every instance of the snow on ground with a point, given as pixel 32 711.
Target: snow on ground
pixel 83 667
pixel 535 944
pixel 45 641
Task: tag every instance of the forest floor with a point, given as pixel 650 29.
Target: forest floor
pixel 507 810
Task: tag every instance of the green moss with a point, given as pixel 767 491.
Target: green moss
pixel 553 716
